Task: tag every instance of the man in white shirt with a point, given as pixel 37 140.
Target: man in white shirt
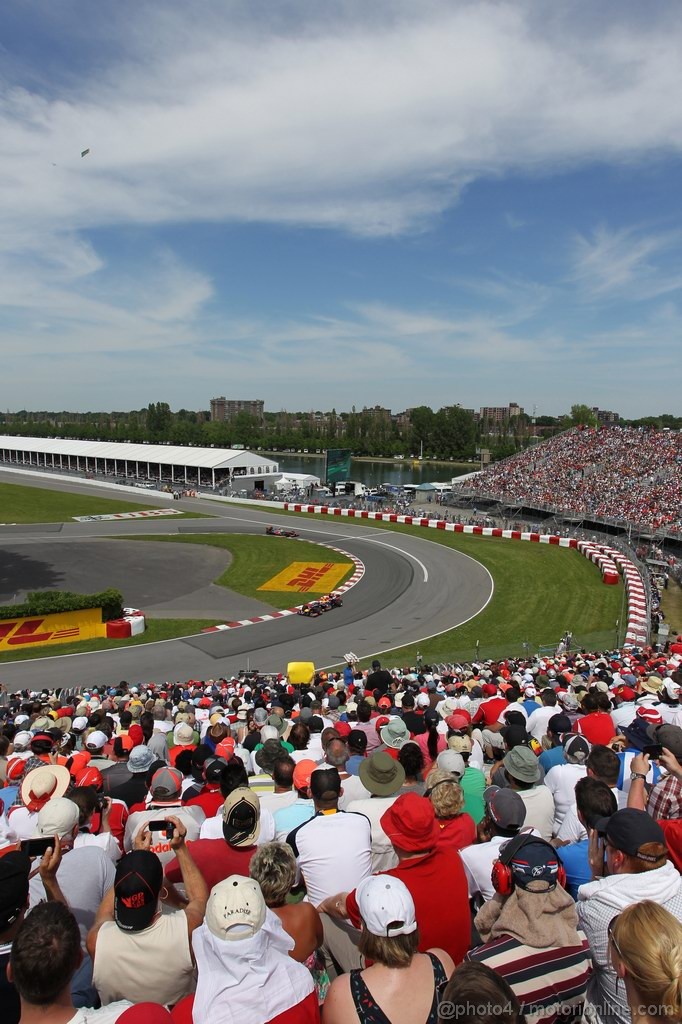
pixel 523 773
pixel 505 814
pixel 166 797
pixel 537 720
pixel 561 779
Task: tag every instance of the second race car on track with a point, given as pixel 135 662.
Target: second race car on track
pixel 279 531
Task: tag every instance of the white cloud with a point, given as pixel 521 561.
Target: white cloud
pixel 613 263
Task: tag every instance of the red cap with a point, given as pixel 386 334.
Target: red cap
pixel 343 729
pixel 90 777
pixel 15 769
pixel 384 702
pixel 489 689
pixel 303 772
pixel 457 721
pixel 136 735
pixel 225 748
pixel 381 721
pixel 410 823
pixel 625 693
pixel 125 742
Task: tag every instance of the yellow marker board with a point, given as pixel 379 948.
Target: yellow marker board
pixel 308 577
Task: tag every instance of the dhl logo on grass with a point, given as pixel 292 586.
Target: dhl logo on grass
pixel 308 577
pixel 62 628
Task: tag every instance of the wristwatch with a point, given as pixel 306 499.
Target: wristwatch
pixel 637 775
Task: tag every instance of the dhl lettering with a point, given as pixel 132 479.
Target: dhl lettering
pixel 58 628
pixel 306 577
pixel 27 633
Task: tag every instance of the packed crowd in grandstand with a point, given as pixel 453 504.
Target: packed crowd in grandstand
pixel 495 842
pixel 620 473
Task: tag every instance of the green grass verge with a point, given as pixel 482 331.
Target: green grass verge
pixel 255 560
pixel 157 629
pixel 19 504
pixel 541 591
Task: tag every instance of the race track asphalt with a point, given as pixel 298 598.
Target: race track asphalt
pixel 412 589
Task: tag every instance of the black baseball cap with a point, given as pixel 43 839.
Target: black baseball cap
pixel 559 724
pixel 629 830
pixel 357 739
pixel 14 871
pixel 137 884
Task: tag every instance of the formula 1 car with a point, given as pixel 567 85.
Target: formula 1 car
pixel 315 608
pixel 278 531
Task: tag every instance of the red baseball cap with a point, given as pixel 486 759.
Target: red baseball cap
pixel 489 689
pixel 650 715
pixel 457 721
pixel 625 693
pixel 90 777
pixel 225 748
pixel 343 728
pixel 384 702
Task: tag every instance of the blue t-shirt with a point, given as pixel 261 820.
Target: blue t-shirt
pixel 353 763
pixel 575 859
pixel 551 758
pixel 291 817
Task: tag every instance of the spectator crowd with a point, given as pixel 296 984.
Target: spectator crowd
pixel 619 473
pixel 499 842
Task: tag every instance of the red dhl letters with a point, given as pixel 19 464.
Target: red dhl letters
pixel 26 631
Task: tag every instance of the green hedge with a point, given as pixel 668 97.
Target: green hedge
pixel 49 602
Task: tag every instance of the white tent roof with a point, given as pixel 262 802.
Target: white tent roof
pixel 176 455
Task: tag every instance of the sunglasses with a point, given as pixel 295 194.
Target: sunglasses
pixel 609 930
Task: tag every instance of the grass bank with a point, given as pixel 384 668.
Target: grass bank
pixel 20 504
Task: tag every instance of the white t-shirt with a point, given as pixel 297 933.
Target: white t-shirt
pixel 333 852
pixel 478 861
pixel 22 822
pixel 104 840
pixel 383 855
pixel 105 1015
pixel 624 715
pixel 561 782
pixel 539 810
pixel 85 875
pixel 274 802
pixel 191 817
pixel 538 721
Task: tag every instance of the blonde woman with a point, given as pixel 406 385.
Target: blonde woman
pixel 457 829
pixel 646 953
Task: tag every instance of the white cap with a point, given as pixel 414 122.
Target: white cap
pixel 80 723
pixel 58 817
pixel 21 719
pixel 386 906
pixel 423 700
pixel 530 690
pixel 235 909
pixel 670 687
pixel 96 740
pixel 183 733
pixel 22 740
pixel 451 761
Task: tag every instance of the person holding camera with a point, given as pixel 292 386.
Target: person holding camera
pixel 138 952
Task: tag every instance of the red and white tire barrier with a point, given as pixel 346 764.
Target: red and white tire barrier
pixel 358 573
pixel 609 560
pixel 132 623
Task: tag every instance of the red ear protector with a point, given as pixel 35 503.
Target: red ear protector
pixel 502 875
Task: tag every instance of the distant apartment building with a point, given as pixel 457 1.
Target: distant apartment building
pixel 223 409
pixel 604 416
pixel 500 413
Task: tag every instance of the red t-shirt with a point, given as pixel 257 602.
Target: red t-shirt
pixel 597 727
pixel 490 710
pixel 210 800
pixel 456 833
pixel 215 859
pixel 436 881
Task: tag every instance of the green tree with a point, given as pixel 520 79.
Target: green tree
pixel 583 416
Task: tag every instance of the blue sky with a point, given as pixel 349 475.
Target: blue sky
pixel 340 204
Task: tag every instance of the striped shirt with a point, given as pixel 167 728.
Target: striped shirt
pixel 548 983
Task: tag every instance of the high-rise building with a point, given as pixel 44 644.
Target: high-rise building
pixel 501 413
pixel 223 409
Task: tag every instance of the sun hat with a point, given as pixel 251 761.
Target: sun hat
pixel 450 761
pixel 386 906
pixel 447 707
pixel 278 723
pixel 381 774
pixel 505 807
pixel 183 734
pixel 410 823
pixel 522 764
pixel 44 783
pixel 58 817
pixel 140 760
pixel 235 909
pixel 137 884
pixel 241 817
pixel 395 734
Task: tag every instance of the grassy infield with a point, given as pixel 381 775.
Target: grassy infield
pixel 540 590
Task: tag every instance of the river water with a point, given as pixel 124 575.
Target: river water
pixel 372 474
